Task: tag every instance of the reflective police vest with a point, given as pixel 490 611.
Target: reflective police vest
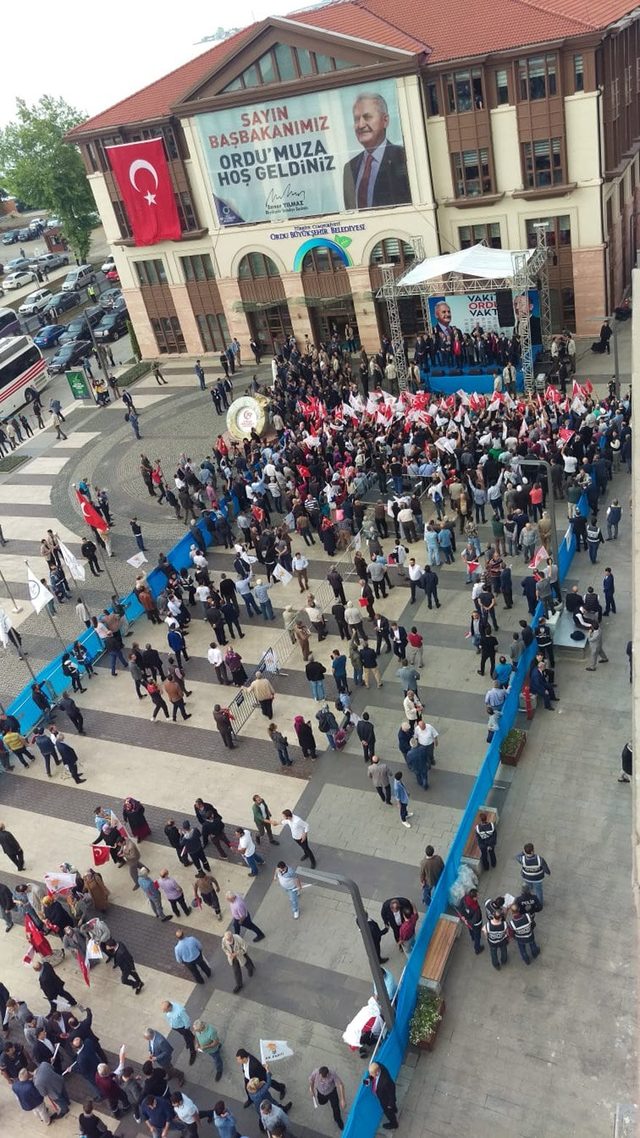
pixel 532 868
pixel 486 834
pixel 522 926
pixel 496 933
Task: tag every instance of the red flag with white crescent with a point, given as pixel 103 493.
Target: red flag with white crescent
pixel 83 968
pixel 90 514
pixel 144 180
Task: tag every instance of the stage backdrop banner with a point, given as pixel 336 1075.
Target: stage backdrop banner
pixel 466 309
pixel 306 155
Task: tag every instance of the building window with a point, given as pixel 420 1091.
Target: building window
pixel 472 176
pixel 168 333
pixel 433 105
pixel 198 267
pixel 628 85
pixel 151 272
pixel 322 260
pixel 537 77
pixel 638 76
pixel 502 88
pixel 558 231
pixel 633 180
pixel 609 214
pixel 464 90
pixel 615 100
pixel 282 64
pixel 122 219
pixel 255 266
pixel 214 333
pixel 392 251
pixel 469 235
pixel 542 163
pixel 186 212
pixel 92 157
pixel 578 73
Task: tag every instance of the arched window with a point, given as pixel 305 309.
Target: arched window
pixel 255 266
pixel 392 251
pixel 322 260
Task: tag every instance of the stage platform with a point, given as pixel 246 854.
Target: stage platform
pixel 450 380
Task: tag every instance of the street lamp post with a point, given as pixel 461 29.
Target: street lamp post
pixel 316 876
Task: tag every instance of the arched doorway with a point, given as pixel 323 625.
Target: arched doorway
pixel 264 300
pixel 327 289
pixel 399 253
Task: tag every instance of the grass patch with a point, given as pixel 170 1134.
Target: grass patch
pixel 13 461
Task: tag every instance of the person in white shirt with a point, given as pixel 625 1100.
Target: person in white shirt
pixel 416 577
pixel 216 659
pixel 299 831
pixel 187 1111
pixel 247 850
pixel 427 736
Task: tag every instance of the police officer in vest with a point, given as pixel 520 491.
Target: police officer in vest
pixel 497 935
pixel 533 869
pixel 522 925
pixel 527 902
pixel 487 837
pixel 471 915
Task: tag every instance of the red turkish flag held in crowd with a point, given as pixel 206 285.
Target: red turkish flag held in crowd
pixel 144 181
pixel 90 514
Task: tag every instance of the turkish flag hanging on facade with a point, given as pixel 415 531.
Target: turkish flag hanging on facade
pixel 142 173
pixel 90 514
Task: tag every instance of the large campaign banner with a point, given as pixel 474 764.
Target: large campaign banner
pixel 468 309
pixel 306 155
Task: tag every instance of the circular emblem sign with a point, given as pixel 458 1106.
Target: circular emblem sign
pixel 245 415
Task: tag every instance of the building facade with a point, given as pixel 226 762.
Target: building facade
pixel 286 214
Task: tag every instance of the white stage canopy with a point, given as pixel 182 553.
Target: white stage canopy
pixel 479 262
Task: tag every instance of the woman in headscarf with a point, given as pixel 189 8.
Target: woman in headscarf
pixel 133 815
pixel 306 739
pixel 233 660
pixel 97 890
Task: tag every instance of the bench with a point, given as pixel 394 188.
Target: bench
pixel 471 851
pixel 438 953
pixel 562 634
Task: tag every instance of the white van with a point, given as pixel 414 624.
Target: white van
pixel 78 278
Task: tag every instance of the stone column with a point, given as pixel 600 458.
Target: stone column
pixel 297 305
pixel 364 307
pixel 141 324
pixel 188 324
pixel 229 290
pixel 589 289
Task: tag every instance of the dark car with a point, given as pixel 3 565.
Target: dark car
pixel 49 335
pixel 79 326
pixel 112 326
pixel 62 302
pixel 10 237
pixel 109 297
pixel 69 355
pixel 26 235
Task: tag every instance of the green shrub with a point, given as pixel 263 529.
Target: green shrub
pixel 133 373
pixel 426 1016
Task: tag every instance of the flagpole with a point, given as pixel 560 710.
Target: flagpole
pixel 16 607
pixel 108 572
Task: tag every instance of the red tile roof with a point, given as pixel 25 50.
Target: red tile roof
pixel 458 30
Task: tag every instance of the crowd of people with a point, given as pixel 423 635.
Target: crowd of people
pixel 441 469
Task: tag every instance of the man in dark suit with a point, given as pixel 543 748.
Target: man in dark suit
pixel 252 1068
pixel 378 176
pixel 384 1089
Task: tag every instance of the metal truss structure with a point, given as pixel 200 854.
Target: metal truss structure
pixel 530 272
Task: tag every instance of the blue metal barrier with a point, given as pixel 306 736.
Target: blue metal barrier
pixel 365 1113
pixel 23 706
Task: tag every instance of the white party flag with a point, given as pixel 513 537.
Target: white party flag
pixel 138 560
pixel 59 882
pixel 71 561
pixel 5 625
pixel 272 1049
pixel 39 594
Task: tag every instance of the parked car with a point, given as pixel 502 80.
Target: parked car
pixel 79 327
pixel 51 261
pixel 26 235
pixel 16 264
pixel 108 265
pixel 69 355
pixel 17 280
pixel 113 276
pixel 109 297
pixel 10 237
pixel 80 277
pixel 62 302
pixel 53 223
pixel 48 336
pixel 112 326
pixel 35 302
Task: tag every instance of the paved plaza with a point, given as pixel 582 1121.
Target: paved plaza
pixel 544 1052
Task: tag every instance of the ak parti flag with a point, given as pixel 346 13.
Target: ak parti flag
pixel 142 173
pixel 90 514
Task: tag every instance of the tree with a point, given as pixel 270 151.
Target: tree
pixel 37 165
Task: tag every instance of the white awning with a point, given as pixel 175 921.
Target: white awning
pixel 478 261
